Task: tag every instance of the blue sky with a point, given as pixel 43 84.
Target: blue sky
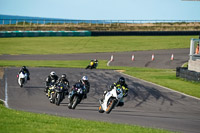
pixel 104 9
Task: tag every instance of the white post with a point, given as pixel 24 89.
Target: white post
pixel 191 48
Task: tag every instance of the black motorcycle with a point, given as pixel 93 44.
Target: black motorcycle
pixel 75 96
pixel 60 91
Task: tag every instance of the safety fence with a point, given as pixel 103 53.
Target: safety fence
pixel 98 25
pixel 47 21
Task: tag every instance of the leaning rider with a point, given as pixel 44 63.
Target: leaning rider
pixel 25 70
pixel 86 83
pixel 77 85
pixel 121 84
pixel 51 80
pixel 93 64
pixel 63 80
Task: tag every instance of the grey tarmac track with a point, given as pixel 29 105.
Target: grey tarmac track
pixel 146 105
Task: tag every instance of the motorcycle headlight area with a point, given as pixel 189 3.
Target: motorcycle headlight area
pixel 79 91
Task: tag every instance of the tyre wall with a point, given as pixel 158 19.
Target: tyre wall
pixel 183 72
pixel 43 33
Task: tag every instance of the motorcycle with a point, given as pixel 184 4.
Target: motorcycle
pixel 92 65
pixel 52 83
pixel 75 97
pixel 60 92
pixel 51 93
pixel 22 78
pixel 111 100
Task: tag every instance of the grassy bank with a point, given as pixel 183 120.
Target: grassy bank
pixel 64 45
pixel 164 77
pixel 19 121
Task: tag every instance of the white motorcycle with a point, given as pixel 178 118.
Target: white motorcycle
pixel 22 78
pixel 111 100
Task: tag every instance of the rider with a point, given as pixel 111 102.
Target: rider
pixel 77 85
pixel 120 83
pixel 86 83
pixel 52 77
pixel 93 64
pixel 25 70
pixel 63 80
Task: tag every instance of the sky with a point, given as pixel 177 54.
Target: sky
pixel 104 9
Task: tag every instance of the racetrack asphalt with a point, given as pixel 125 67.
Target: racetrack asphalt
pixel 147 104
pixel 162 58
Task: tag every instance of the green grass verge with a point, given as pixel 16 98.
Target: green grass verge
pixel 164 77
pixel 19 121
pixel 64 45
pixel 167 78
pixel 45 63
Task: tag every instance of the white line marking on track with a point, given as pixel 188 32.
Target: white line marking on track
pixel 6 92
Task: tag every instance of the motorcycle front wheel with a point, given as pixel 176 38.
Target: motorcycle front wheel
pixel 110 106
pixel 58 99
pixel 75 102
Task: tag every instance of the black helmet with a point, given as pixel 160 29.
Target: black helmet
pixel 122 80
pixel 63 75
pixel 24 67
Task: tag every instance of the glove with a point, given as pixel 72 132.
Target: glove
pixel 125 95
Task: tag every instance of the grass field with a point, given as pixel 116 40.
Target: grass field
pixel 63 45
pixel 13 121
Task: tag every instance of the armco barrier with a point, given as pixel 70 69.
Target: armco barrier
pixel 43 33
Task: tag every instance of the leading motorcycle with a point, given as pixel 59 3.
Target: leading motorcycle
pixel 111 100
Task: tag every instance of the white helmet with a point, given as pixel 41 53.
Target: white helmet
pixel 84 78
